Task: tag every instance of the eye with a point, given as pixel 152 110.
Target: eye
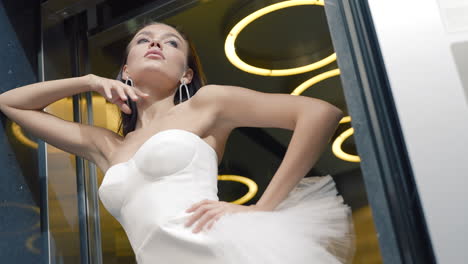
pixel 174 43
pixel 141 40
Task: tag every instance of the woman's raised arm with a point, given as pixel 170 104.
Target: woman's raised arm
pixel 24 105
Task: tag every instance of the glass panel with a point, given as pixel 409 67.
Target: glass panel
pixel 93 216
pixel 63 203
pixel 115 245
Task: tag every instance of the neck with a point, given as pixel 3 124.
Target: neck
pixel 157 105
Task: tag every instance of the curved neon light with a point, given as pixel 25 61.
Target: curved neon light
pixel 30 243
pixel 338 151
pixel 33 208
pixel 336 147
pixel 17 132
pixel 318 78
pixel 230 50
pixel 253 188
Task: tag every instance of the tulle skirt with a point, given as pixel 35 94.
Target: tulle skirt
pixel 312 225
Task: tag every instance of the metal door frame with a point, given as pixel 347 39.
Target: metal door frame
pixel 391 189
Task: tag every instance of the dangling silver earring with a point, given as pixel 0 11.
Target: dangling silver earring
pixel 186 90
pixel 129 82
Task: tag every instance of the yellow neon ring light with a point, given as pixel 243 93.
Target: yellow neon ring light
pixel 336 147
pixel 230 50
pixel 21 137
pixel 253 188
pixel 30 243
pixel 317 78
pixel 25 206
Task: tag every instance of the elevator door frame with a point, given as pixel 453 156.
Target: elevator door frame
pixel 391 189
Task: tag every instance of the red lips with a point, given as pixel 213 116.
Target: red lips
pixel 153 51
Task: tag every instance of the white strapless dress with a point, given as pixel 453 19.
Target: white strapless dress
pixel 176 168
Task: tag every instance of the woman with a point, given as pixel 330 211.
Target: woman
pixel 160 177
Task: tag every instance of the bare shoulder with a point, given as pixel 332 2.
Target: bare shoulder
pixel 229 103
pixel 208 99
pixel 211 92
pixel 207 95
pixel 243 107
pixel 213 97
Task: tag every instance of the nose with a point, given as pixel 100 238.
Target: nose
pixel 156 43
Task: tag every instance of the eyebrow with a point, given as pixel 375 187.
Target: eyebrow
pixel 164 35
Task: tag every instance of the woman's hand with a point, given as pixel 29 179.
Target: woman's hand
pixel 208 211
pixel 115 91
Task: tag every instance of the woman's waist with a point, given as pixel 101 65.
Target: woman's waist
pixel 157 207
pixel 172 235
pixel 139 218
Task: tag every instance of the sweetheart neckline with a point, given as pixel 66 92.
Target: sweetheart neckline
pixel 157 133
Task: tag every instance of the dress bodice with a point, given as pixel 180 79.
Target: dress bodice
pixel 172 170
pixel 175 168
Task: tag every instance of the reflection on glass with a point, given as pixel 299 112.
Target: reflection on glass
pixel 19 196
pixel 63 203
pixel 114 242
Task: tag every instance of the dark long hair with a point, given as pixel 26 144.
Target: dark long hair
pixel 128 121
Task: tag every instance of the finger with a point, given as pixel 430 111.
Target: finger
pixel 124 107
pixel 130 92
pixel 133 94
pixel 204 219
pixel 127 109
pixel 115 95
pixel 207 216
pixel 196 216
pixel 196 205
pixel 199 213
pixel 213 220
pixel 193 207
pixel 121 93
pixel 135 90
pixel 108 93
pixel 139 92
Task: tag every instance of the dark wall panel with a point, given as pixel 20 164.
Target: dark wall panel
pixel 19 181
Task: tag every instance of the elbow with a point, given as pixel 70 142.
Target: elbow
pixel 2 103
pixel 4 98
pixel 325 114
pixel 338 112
pixel 332 111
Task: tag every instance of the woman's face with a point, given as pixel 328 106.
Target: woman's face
pixel 170 67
